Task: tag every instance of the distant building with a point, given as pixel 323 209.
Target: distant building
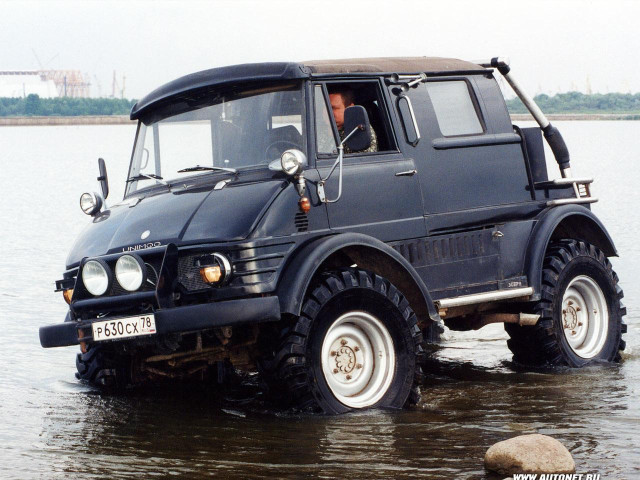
pixel 44 83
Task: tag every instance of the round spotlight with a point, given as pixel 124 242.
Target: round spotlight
pixel 96 277
pixel 292 162
pixel 90 203
pixel 130 272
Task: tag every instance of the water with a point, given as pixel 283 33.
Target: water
pixel 53 427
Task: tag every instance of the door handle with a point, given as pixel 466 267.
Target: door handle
pixel 408 173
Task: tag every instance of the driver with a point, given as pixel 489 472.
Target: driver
pixel 340 100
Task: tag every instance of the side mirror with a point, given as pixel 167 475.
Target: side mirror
pixel 103 178
pixel 356 118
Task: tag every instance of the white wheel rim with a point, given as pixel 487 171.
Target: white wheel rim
pixel 358 359
pixel 585 317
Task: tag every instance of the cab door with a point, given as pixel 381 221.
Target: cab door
pixel 475 185
pixel 381 191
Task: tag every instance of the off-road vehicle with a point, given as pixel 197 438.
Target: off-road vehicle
pixel 257 233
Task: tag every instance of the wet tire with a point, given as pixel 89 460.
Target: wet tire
pixel 356 345
pixel 101 368
pixel 433 332
pixel 580 311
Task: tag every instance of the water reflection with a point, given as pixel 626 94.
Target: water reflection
pixel 464 409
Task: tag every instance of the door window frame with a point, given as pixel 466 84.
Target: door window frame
pixel 365 157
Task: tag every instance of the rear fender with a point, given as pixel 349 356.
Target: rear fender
pixel 566 221
pixel 344 250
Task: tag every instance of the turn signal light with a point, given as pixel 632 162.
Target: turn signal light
pixel 67 294
pixel 305 204
pixel 215 269
pixel 211 274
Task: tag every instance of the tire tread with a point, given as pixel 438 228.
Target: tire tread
pixel 539 344
pixel 289 370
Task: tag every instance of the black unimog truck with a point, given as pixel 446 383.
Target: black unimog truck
pixel 313 221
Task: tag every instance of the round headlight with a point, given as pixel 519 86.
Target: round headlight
pixel 130 272
pixel 95 277
pixel 90 203
pixel 292 162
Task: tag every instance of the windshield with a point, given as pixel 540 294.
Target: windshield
pixel 228 132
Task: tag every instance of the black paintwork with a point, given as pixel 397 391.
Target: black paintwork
pixel 471 218
pixel 216 78
pixel 189 214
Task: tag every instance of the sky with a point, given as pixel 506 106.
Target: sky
pixel 554 46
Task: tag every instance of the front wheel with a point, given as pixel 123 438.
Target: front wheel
pixel 356 345
pixel 580 311
pixel 100 367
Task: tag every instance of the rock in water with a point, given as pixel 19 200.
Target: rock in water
pixel 529 454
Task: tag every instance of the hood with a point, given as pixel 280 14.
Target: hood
pixel 178 216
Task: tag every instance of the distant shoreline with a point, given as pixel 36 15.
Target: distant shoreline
pixel 67 120
pixel 579 116
pixel 124 119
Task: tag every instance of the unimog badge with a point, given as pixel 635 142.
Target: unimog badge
pixel 141 246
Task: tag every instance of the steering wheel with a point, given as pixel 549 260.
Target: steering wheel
pixel 277 147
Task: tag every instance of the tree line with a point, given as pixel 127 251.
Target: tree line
pixel 33 105
pixel 570 102
pixel 576 102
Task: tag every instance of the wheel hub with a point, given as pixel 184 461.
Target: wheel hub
pixel 358 359
pixel 585 316
pixel 570 317
pixel 348 360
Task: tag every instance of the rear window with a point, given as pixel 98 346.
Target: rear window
pixel 454 108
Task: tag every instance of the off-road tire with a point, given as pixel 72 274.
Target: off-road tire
pixel 101 368
pixel 546 343
pixel 295 369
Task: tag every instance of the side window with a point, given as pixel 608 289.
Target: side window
pixel 325 142
pixel 368 95
pixel 455 111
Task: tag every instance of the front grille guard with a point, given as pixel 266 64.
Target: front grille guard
pixel 82 303
pixel 255 269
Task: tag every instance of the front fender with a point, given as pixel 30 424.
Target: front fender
pixel 566 221
pixel 369 253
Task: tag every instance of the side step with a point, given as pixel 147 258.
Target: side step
pixel 485 297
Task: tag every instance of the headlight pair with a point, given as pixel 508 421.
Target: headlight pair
pixel 130 272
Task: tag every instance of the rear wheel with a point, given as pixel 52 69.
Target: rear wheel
pixel 580 311
pixel 355 345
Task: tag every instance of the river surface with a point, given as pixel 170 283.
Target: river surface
pixel 51 426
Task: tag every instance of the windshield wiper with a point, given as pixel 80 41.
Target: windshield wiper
pixel 145 176
pixel 200 168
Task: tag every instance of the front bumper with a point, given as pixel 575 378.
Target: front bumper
pixel 190 318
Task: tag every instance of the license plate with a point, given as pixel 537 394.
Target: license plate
pixel 124 327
